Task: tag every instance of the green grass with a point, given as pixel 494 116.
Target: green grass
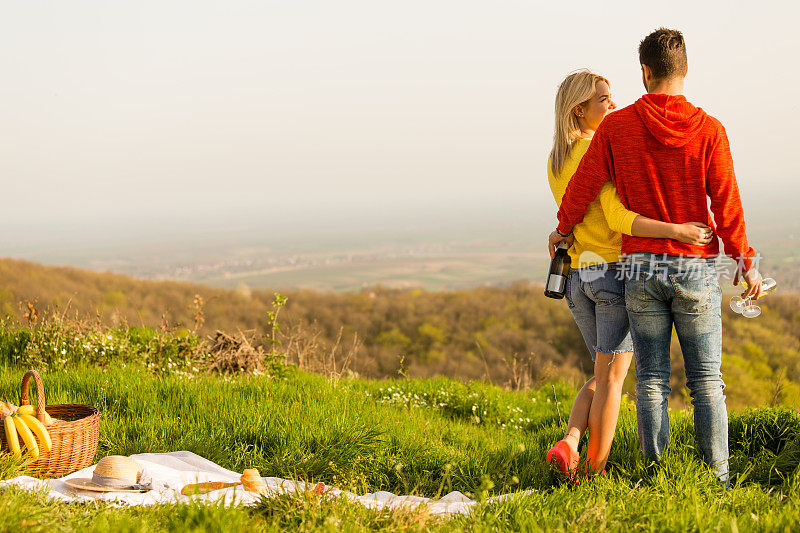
pixel 425 437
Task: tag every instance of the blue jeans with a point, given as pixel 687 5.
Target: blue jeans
pixel 596 298
pixel 683 292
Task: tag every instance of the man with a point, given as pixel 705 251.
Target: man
pixel 665 157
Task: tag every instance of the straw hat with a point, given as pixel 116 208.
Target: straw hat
pixel 115 473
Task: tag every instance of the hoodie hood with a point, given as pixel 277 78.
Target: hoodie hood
pixel 671 119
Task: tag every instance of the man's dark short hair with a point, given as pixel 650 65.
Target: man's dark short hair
pixel 664 52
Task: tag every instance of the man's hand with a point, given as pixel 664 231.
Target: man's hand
pixel 753 279
pixel 555 238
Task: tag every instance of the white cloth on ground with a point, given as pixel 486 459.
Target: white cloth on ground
pixel 171 471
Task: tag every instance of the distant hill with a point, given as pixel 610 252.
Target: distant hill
pixel 511 335
pixel 116 297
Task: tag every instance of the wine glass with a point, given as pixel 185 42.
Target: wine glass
pixel 745 306
pixel 738 304
pixel 751 311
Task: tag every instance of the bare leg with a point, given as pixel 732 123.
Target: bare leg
pixel 579 416
pixel 609 371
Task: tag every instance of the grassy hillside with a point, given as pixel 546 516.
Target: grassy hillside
pixel 512 336
pixel 167 389
pixel 424 437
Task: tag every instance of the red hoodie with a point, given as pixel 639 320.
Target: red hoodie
pixel 665 157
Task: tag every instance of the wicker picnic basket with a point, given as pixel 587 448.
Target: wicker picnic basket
pixel 74 433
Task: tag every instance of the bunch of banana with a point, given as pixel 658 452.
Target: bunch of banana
pixel 31 410
pixel 21 423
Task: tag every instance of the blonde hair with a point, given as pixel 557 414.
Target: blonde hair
pixel 576 89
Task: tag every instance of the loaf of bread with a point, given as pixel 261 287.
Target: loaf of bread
pixel 7 409
pixel 252 482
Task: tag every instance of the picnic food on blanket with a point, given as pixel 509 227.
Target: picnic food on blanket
pixel 113 473
pixel 252 481
pixel 60 438
pixel 195 489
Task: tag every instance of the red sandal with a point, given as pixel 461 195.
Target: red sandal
pixel 564 458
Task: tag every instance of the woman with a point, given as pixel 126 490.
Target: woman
pixel 595 286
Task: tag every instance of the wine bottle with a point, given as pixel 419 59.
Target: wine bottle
pixel 559 270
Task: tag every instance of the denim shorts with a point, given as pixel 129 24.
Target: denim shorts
pixel 596 298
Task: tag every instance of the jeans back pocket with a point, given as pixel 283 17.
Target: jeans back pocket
pixel 694 292
pixel 607 288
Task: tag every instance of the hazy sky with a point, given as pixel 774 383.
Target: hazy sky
pixel 143 111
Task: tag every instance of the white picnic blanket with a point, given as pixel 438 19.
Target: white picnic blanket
pixel 171 471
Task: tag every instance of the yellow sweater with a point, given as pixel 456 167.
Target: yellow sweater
pixel 597 238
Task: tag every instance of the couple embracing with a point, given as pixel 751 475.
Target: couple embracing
pixel 633 190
